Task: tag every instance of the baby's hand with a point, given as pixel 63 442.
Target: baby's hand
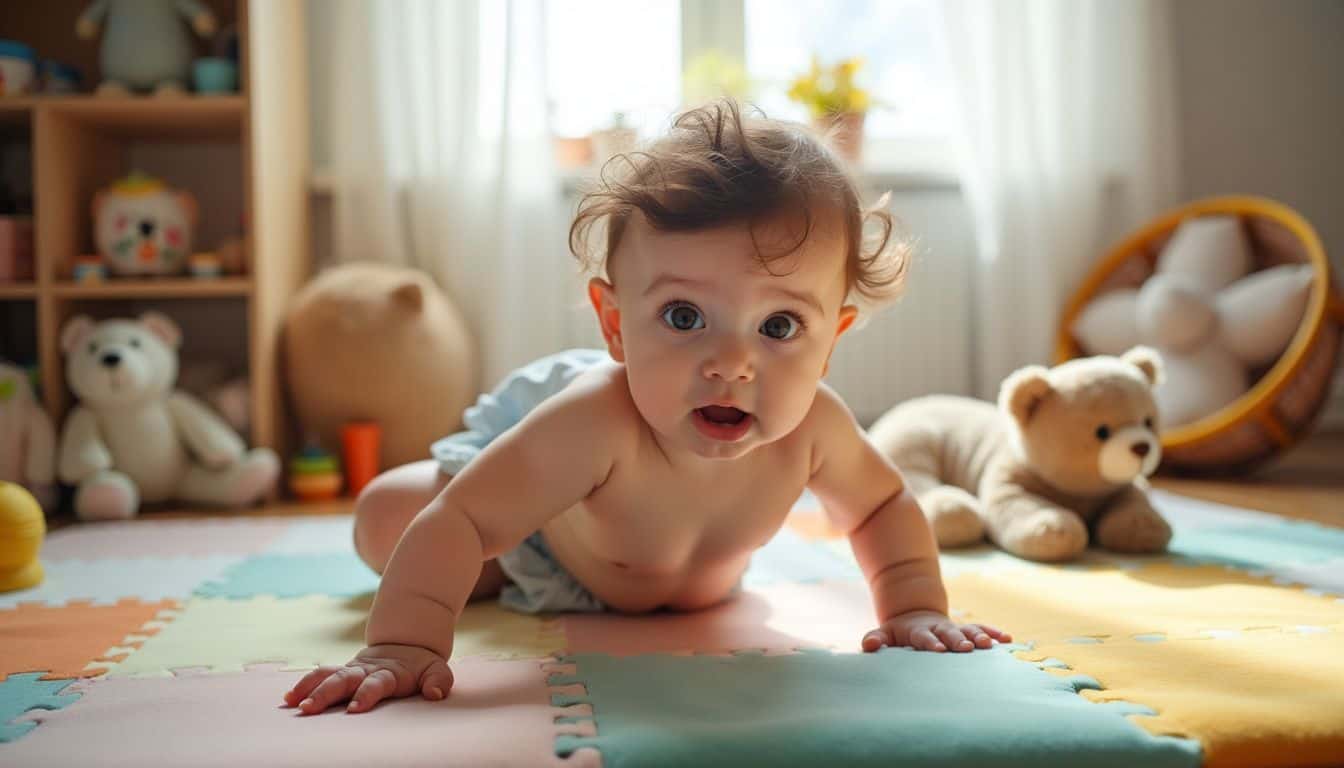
pixel 932 631
pixel 376 673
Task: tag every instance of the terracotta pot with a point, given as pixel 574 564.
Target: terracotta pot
pixel 573 151
pixel 844 132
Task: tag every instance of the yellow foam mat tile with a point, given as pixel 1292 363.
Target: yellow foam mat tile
pixel 1058 604
pixel 1259 698
pixel 226 635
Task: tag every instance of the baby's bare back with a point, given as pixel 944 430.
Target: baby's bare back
pixel 657 535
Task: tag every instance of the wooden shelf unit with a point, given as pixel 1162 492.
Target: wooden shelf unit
pixel 245 153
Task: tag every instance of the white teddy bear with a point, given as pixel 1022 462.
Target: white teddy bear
pixel 133 436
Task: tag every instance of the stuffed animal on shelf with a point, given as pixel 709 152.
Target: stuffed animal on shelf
pixel 27 437
pixel 1214 321
pixel 1062 460
pixel 145 46
pixel 143 227
pixel 135 437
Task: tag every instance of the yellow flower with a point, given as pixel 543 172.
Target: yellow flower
pixel 830 90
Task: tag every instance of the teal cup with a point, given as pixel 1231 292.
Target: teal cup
pixel 215 75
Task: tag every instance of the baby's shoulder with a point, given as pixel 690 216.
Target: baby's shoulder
pixel 828 421
pixel 602 394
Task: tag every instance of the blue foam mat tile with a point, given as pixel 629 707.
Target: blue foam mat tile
pixel 20 693
pixel 893 707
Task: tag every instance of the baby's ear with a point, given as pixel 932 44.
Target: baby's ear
pixel 1023 391
pixel 603 297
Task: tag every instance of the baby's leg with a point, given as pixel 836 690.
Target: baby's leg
pixel 389 503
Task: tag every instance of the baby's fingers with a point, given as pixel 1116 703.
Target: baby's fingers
pixel 306 685
pixel 373 689
pixel 954 638
pixel 922 639
pixel 333 690
pixel 875 639
pixel 436 680
pixel 997 634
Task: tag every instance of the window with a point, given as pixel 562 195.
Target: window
pixel 904 68
pixel 612 57
pixel 611 60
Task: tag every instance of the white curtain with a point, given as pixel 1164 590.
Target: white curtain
pixel 441 160
pixel 1067 140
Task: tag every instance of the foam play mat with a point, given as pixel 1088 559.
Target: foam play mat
pixel 170 643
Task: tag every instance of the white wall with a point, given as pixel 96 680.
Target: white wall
pixel 1261 85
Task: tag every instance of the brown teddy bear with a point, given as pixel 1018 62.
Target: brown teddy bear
pixel 1064 458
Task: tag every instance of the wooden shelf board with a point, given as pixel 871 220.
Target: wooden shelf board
pixel 18 290
pixel 158 288
pixel 152 117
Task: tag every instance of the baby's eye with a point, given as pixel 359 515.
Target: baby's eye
pixel 682 317
pixel 782 326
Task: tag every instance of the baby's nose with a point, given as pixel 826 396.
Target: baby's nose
pixel 729 362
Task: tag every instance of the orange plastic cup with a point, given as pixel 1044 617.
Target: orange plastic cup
pixel 360 444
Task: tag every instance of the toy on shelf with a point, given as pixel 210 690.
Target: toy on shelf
pixel 27 437
pixel 143 227
pixel 314 475
pixel 205 265
pixel 215 75
pixel 231 257
pixel 89 268
pixel 145 46
pixel 22 528
pixel 18 68
pixel 135 436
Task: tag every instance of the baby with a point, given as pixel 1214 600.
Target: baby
pixel 643 477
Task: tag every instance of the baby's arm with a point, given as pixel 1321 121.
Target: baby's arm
pixel 864 494
pixel 558 455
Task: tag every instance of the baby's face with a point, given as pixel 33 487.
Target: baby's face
pixel 702 323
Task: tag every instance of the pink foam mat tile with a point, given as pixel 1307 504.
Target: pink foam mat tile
pixel 780 616
pixel 215 536
pixel 499 713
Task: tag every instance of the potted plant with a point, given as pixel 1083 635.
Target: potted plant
pixel 837 106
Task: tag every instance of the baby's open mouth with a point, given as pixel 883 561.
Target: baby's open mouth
pixel 722 414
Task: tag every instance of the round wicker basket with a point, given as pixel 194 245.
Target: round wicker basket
pixel 1286 397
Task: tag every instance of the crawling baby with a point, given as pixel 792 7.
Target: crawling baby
pixel 643 476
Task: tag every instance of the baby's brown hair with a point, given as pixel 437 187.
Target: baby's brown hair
pixel 715 167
